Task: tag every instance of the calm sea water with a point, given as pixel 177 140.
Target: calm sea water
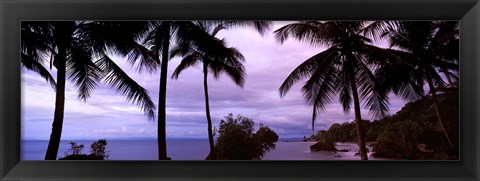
pixel 188 150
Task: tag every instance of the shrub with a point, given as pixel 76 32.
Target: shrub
pixel 237 140
pixel 97 151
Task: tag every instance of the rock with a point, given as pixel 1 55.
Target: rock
pixel 322 146
pixel 337 156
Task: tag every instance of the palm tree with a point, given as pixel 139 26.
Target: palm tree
pixel 431 47
pixel 217 60
pixel 345 68
pixel 71 48
pixel 183 33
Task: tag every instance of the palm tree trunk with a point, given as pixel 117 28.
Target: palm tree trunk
pixel 57 124
pixel 212 155
pixel 437 109
pixel 358 119
pixel 162 100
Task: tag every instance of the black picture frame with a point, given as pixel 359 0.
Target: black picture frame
pixel 14 11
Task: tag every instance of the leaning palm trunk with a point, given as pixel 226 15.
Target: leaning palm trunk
pixel 162 132
pixel 57 124
pixel 358 119
pixel 437 109
pixel 212 155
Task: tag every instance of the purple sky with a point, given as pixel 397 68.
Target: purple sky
pixel 108 115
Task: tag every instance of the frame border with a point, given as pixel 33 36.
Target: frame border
pixel 14 11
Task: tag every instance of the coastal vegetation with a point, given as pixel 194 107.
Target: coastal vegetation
pixel 411 133
pixel 238 141
pixel 97 151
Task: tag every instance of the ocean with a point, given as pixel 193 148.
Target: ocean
pixel 188 150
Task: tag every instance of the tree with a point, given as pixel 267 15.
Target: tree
pixel 344 68
pixel 216 59
pixel 76 50
pixel 237 140
pixel 98 148
pixel 429 46
pixel 266 137
pixel 184 33
pixel 97 151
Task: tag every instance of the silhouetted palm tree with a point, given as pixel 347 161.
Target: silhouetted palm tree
pixel 182 33
pixel 346 68
pixel 72 47
pixel 430 46
pixel 217 59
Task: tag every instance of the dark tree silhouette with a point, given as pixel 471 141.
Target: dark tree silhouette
pixel 238 141
pixel 183 33
pixel 429 46
pixel 76 50
pixel 215 58
pixel 344 68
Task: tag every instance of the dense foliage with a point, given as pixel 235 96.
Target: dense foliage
pixel 238 141
pixel 416 123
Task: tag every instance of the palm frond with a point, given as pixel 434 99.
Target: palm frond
pixel 188 61
pixel 121 38
pixel 438 81
pixel 147 59
pixel 201 41
pixel 319 90
pixel 445 65
pixel 379 56
pixel 373 92
pixel 303 32
pixel 82 71
pixel 156 38
pixel 397 70
pixel 218 29
pixel 261 26
pixel 306 68
pixel 377 29
pixel 233 69
pixel 37 40
pixel 196 45
pixel 33 65
pixel 343 84
pixel 181 50
pixel 115 77
pixel 314 116
pixel 446 31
